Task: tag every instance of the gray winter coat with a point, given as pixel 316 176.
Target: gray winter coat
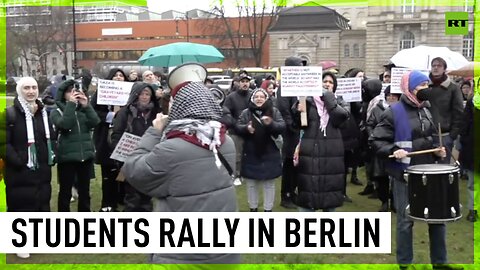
pixel 183 177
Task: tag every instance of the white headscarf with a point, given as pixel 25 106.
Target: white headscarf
pixel 32 162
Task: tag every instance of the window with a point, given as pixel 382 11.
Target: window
pixel 346 50
pixel 467 48
pixel 324 42
pixel 356 50
pixel 363 52
pixel 54 72
pixel 282 43
pixel 54 61
pixel 407 40
pixel 469 6
pixel 408 6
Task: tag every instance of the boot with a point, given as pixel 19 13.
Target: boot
pixel 253 209
pixel 287 203
pixel 384 207
pixel 367 190
pixel 355 181
pixel 472 216
pixel 374 195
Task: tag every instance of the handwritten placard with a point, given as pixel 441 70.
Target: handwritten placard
pixel 301 81
pixel 397 74
pixel 113 92
pixel 350 89
pixel 125 146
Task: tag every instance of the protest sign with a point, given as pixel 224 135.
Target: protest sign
pixel 350 89
pixel 301 81
pixel 125 146
pixel 397 74
pixel 113 92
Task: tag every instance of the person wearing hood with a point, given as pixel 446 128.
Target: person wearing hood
pixel 376 169
pixel 48 96
pixel 177 161
pixel 258 125
pixel 74 119
pixel 110 187
pixel 319 153
pixel 371 89
pixel 29 146
pixel 135 118
pixel 409 114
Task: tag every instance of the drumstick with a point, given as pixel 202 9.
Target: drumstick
pixel 440 136
pixel 420 152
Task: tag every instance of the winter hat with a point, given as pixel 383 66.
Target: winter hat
pixel 293 61
pixel 415 79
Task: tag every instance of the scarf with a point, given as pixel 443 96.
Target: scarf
pixel 206 134
pixel 436 81
pixel 32 162
pixel 323 114
pixel 407 93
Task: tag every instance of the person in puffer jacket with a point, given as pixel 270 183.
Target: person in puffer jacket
pixel 74 120
pixel 175 163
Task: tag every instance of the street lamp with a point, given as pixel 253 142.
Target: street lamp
pixel 74 71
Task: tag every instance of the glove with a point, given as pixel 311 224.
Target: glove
pixel 329 99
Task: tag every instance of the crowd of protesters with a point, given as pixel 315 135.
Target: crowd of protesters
pixel 265 142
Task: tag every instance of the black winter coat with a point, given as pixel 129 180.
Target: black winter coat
pixel 291 134
pixel 27 190
pixel 467 138
pixel 268 165
pixel 103 148
pixel 383 136
pixel 377 164
pixel 235 103
pixel 321 170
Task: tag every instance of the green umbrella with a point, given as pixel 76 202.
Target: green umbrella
pixel 178 53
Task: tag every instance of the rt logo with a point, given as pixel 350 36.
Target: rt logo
pixel 456 23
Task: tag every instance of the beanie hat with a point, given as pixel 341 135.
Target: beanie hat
pixel 415 79
pixel 293 61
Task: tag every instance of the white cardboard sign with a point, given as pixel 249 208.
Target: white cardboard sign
pixel 125 146
pixel 397 74
pixel 301 81
pixel 350 89
pixel 113 92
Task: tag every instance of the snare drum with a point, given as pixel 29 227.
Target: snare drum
pixel 433 194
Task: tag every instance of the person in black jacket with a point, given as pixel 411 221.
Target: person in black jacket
pixel 135 118
pixel 391 136
pixel 111 194
pixel 290 140
pixel 235 103
pixel 261 159
pixel 319 154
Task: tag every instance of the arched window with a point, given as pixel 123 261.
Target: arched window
pixel 346 50
pixel 356 50
pixel 407 40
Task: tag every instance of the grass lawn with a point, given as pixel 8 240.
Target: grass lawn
pixel 459 236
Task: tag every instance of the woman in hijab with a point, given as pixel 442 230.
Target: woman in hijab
pixel 177 163
pixel 110 187
pixel 319 154
pixel 29 148
pixel 259 124
pixel 407 123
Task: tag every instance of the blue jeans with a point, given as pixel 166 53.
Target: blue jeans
pixel 447 142
pixel 436 232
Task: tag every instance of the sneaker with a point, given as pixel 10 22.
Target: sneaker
pixel 23 255
pixel 472 216
pixel 287 203
pixel 355 181
pixel 367 190
pixel 237 181
pixel 106 209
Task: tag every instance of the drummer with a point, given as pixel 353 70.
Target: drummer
pixel 405 127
